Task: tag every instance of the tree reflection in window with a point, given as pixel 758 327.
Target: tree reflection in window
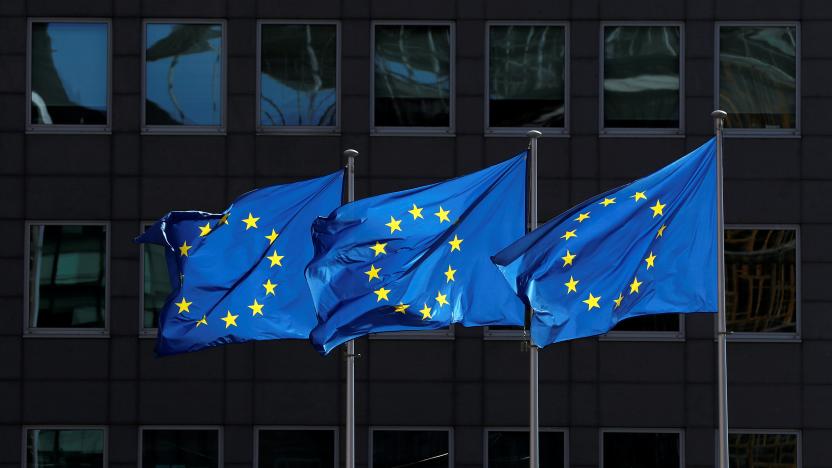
pixel 298 74
pixel 183 75
pixel 763 450
pixel 65 447
pixel 416 448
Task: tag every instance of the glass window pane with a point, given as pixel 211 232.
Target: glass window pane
pixel 417 449
pixel 296 448
pixel 758 76
pixel 156 284
pixel 69 73
pixel 526 76
pixel 761 280
pixel 82 448
pixel 763 450
pixel 180 448
pixel 298 72
pixel 641 76
pixel 650 323
pixel 644 450
pixel 67 276
pixel 412 76
pixel 183 74
pixel 510 449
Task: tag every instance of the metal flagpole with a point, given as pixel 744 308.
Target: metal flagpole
pixel 350 430
pixel 721 355
pixel 534 424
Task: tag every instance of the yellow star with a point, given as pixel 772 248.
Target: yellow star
pixel 183 250
pixel 373 273
pixel 251 222
pixel 583 216
pixel 416 212
pixel 618 301
pixel 449 275
pixel 650 260
pixel 382 294
pixel 635 285
pixel 425 312
pixel 661 231
pixel 591 302
pixel 269 287
pixel 441 299
pixel 455 244
pixel 275 259
pixel 256 308
pixel 401 308
pixel 272 237
pixel 229 319
pixel 569 234
pixel 657 210
pixel 607 201
pixel 443 215
pixel 639 196
pixel 394 225
pixel 202 321
pixel 204 230
pixel 567 259
pixel 379 248
pixel 570 286
pixel 224 219
pixel 183 306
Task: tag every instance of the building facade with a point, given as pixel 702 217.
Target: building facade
pixel 116 112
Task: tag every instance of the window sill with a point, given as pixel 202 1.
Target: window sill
pixel 640 133
pixel 148 333
pixel 522 132
pixel 505 335
pixel 761 133
pixel 672 336
pixel 184 130
pixel 298 131
pixel 66 333
pixel 764 338
pixel 68 130
pixel 415 335
pixel 412 132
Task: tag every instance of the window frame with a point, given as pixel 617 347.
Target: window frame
pixel 448 429
pixel 762 132
pixel 794 432
pixel 450 130
pixel 335 130
pixel 259 428
pixel 774 337
pixel 206 427
pixel 488 130
pixel 155 129
pixel 680 432
pixel 562 430
pixel 105 129
pixel 29 331
pixel 60 427
pixel 644 335
pixel 678 132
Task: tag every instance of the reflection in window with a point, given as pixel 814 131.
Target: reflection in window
pixel 762 450
pixel 418 449
pixel 526 84
pixel 156 284
pixel 69 73
pixel 183 74
pixel 641 76
pixel 412 76
pixel 757 76
pixel 298 73
pixel 510 449
pixel 67 276
pixel 641 449
pixel 64 447
pixel 761 280
pixel 190 448
pixel 301 448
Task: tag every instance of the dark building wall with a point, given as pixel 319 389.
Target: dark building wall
pixel 467 383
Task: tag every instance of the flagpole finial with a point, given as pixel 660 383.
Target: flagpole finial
pixel 350 153
pixel 719 114
pixel 533 134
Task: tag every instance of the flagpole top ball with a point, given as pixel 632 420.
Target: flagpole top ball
pixel 533 134
pixel 350 153
pixel 719 114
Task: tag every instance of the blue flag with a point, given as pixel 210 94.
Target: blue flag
pixel 648 247
pixel 239 275
pixel 418 259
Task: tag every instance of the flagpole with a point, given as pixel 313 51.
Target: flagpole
pixel 721 336
pixel 350 425
pixel 534 423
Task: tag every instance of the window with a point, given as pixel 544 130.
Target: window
pixel 660 327
pixel 412 78
pixel 758 82
pixel 80 447
pixel 642 448
pixel 527 78
pixel 761 282
pixel 156 286
pixel 509 448
pixel 165 447
pixel 184 76
pixel 642 80
pixel 67 272
pixel 764 449
pixel 422 448
pixel 69 76
pixel 298 77
pixel 279 447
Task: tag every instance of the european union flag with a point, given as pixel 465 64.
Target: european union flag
pixel 418 259
pixel 648 247
pixel 239 275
